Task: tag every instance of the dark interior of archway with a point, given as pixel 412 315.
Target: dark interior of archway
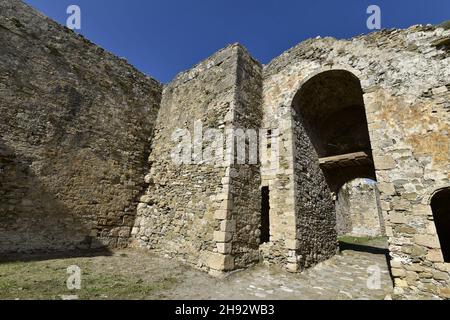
pixel 440 205
pixel 330 106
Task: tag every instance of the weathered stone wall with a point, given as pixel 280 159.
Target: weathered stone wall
pixel 316 236
pixel 358 212
pixel 246 177
pixel 205 213
pixel 75 132
pixel 405 78
pixel 77 126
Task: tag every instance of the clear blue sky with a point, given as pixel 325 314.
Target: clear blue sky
pixel 164 37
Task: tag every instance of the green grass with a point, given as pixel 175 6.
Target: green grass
pixel 47 280
pixel 364 241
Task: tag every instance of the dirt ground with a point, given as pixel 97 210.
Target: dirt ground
pixel 136 274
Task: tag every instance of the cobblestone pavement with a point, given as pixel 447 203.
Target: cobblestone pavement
pixel 350 275
pixel 137 274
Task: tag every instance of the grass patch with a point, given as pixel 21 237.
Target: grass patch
pixel 364 241
pixel 46 280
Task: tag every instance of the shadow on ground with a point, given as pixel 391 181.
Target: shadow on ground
pixel 362 248
pixel 17 257
pixel 378 245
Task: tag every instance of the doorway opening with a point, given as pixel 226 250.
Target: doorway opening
pixel 265 209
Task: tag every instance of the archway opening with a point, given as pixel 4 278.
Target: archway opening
pixel 330 108
pixel 440 204
pixel 331 147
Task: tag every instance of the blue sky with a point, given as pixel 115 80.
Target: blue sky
pixel 164 37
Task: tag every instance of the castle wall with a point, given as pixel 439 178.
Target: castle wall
pixel 404 75
pixel 74 137
pixel 315 216
pixel 357 209
pixel 246 181
pixel 87 146
pixel 204 212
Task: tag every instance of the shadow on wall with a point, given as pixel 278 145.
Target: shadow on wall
pixel 32 219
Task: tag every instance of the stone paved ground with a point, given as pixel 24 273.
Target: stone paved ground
pixel 343 277
pixel 132 274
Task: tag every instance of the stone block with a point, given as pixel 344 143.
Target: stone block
pixel 389 232
pixel 135 231
pixel 225 205
pixel 221 262
pixel 386 188
pixel 384 162
pixel 220 236
pixel 141 207
pixel 443 266
pixel 401 283
pixel 439 275
pixel 418 251
pixel 430 241
pixel 424 210
pixel 400 273
pixel 401 204
pixel 224 248
pixel 228 226
pixel 405 229
pixel 440 90
pixel 221 214
pixel 435 255
pixel 397 217
pixel 414 267
pixel 444 292
pixel 291 244
pixel 145 199
pixel 223 196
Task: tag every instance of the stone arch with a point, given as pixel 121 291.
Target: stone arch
pixel 330 146
pixel 330 106
pixel 440 206
pixel 302 80
pixel 431 195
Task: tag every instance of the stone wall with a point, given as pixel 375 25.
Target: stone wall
pixel 75 132
pixel 246 177
pixel 358 212
pixel 405 76
pixel 77 128
pixel 316 236
pixel 204 212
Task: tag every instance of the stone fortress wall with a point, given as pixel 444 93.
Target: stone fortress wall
pixel 205 213
pixel 86 145
pixel 75 131
pixel 404 77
